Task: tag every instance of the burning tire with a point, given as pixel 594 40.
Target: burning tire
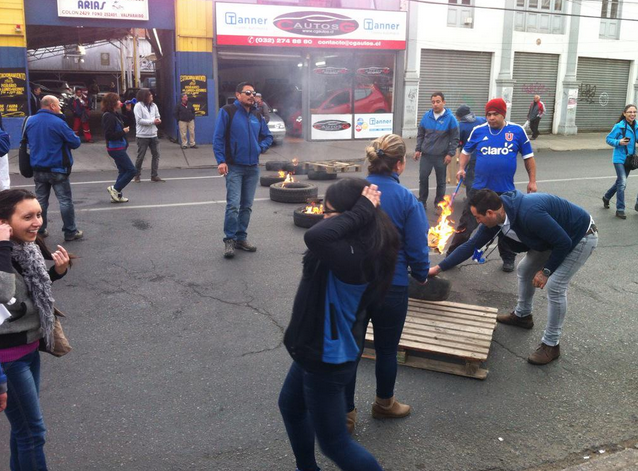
pixel 276 165
pixel 320 175
pixel 267 180
pixel 436 289
pixel 298 169
pixel 305 220
pixel 295 192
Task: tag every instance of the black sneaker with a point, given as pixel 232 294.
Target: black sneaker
pixel 621 215
pixel 508 266
pixel 606 203
pixel 229 248
pixel 245 245
pixel 43 233
pixel 76 236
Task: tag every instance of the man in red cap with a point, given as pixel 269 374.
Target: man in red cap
pixel 497 144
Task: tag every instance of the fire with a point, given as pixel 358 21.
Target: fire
pixel 289 179
pixel 439 235
pixel 282 174
pixel 313 208
pixel 295 161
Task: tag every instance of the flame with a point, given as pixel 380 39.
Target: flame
pixel 289 179
pixel 439 235
pixel 282 174
pixel 295 161
pixel 312 208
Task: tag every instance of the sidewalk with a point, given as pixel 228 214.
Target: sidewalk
pixel 93 157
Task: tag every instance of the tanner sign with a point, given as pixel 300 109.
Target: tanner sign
pixel 104 9
pixel 266 25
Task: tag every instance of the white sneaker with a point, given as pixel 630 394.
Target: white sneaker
pixel 116 197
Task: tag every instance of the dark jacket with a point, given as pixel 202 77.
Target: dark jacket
pixel 333 258
pixel 34 101
pixel 50 142
pixel 541 221
pixel 184 113
pixel 113 125
pixel 5 141
pixel 249 137
pixel 80 108
pixel 438 137
pixel 263 110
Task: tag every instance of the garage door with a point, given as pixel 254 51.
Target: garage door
pixel 535 74
pixel 602 92
pixel 462 76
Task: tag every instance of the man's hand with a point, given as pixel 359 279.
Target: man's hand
pixel 222 169
pixel 531 187
pixel 5 231
pixel 126 129
pixel 435 270
pixel 460 174
pixel 540 280
pixel 447 159
pixel 417 156
pixel 3 401
pixel 157 121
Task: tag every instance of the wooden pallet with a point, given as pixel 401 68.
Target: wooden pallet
pixel 332 166
pixel 444 336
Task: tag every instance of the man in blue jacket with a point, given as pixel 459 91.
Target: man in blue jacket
pixel 436 143
pixel 241 135
pixel 50 143
pixel 558 237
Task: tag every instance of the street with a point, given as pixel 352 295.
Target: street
pixel 178 357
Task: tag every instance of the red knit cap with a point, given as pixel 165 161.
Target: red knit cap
pixel 498 105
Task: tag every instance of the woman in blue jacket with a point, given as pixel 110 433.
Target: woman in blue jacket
pixel 623 139
pixel 116 145
pixel 386 156
pixel 350 259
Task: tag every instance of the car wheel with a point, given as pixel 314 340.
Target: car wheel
pixel 267 180
pixel 275 165
pixel 321 175
pixel 295 192
pixel 305 220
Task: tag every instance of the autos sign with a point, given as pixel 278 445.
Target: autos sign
pixel 331 126
pixel 104 9
pixel 241 24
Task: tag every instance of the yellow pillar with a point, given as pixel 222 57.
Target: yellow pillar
pixel 12 18
pixel 194 25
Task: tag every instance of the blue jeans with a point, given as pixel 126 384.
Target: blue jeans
pixel 314 404
pixel 426 164
pixel 44 181
pixel 556 286
pixel 241 183
pixel 388 318
pixel 125 168
pixel 618 188
pixel 24 414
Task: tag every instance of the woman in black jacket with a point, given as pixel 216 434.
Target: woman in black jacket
pixel 116 144
pixel 349 263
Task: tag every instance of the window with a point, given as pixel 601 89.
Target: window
pixel 537 16
pixel 460 13
pixel 609 19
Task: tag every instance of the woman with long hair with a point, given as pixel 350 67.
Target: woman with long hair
pixel 350 260
pixel 387 158
pixel 147 118
pixel 116 145
pixel 623 139
pixel 25 291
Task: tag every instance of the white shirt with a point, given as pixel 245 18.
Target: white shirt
pixel 438 115
pixel 507 231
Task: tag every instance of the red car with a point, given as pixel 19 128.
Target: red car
pixel 367 99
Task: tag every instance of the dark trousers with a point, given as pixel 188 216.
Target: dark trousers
pixel 125 168
pixel 315 404
pixel 427 163
pixel 467 225
pixel 388 318
pixel 144 143
pixel 533 125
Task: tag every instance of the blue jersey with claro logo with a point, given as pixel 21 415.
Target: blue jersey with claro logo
pixel 496 153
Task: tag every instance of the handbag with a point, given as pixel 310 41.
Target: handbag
pixel 60 343
pixel 24 159
pixel 631 161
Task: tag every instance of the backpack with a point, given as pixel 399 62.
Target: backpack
pixel 231 109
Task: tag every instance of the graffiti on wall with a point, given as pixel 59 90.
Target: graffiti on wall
pixel 536 88
pixel 586 93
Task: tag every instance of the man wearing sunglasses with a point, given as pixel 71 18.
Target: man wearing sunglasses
pixel 241 135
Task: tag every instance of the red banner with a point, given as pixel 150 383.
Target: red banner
pixel 270 41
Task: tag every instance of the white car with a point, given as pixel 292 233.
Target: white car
pixel 277 128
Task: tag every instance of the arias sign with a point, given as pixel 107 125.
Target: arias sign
pixel 104 9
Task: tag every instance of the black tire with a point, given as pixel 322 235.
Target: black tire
pixel 321 175
pixel 296 192
pixel 436 289
pixel 267 180
pixel 295 169
pixel 305 220
pixel 275 165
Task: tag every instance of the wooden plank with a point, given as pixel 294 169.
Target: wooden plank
pixel 449 326
pixel 435 348
pixel 443 344
pixel 445 336
pixel 451 304
pixel 451 322
pixel 469 336
pixel 451 310
pixel 478 317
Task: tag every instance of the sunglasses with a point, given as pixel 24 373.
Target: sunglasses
pixel 248 93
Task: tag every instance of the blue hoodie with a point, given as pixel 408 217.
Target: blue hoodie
pixel 541 221
pixel 50 142
pixel 249 137
pixel 408 216
pixel 438 137
pixel 5 142
pixel 614 137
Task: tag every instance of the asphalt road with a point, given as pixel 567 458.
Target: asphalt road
pixel 178 356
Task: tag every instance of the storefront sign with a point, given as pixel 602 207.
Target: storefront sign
pixel 331 126
pixel 372 125
pixel 195 86
pixel 13 93
pixel 270 25
pixel 110 9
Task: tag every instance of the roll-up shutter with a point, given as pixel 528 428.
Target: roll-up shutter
pixel 535 74
pixel 462 76
pixel 602 92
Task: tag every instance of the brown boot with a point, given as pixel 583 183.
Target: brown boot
pixel 351 420
pixel 526 322
pixel 136 179
pixel 389 409
pixel 544 354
